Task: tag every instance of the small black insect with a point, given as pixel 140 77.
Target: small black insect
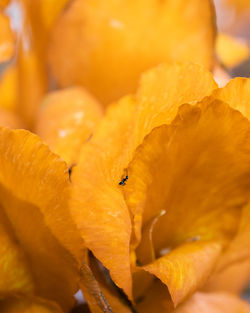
pixel 123 181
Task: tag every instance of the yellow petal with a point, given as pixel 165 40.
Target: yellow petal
pixel 213 303
pixel 66 120
pixel 97 203
pixel 237 94
pixel 7 42
pixel 37 212
pixel 147 33
pixel 231 52
pixel 14 271
pixel 18 304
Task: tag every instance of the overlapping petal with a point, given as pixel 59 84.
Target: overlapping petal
pixel 114 42
pixel 193 165
pixel 97 198
pixel 33 195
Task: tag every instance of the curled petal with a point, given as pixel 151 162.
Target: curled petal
pixel 186 268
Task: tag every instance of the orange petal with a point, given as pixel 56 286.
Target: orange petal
pixel 97 204
pixel 194 260
pixel 97 201
pixel 18 304
pixel 231 52
pixel 9 119
pixel 93 31
pixel 44 228
pixel 164 88
pixel 7 42
pixel 213 303
pixel 66 121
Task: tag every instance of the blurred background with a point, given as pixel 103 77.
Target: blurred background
pixel 233 19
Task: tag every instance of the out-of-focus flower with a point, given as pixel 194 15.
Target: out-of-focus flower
pixel 231 52
pixel 66 120
pixel 108 44
pixel 7 40
pixel 158 175
pixel 26 79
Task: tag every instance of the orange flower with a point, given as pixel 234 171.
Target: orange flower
pixel 112 42
pixel 231 52
pixel 164 183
